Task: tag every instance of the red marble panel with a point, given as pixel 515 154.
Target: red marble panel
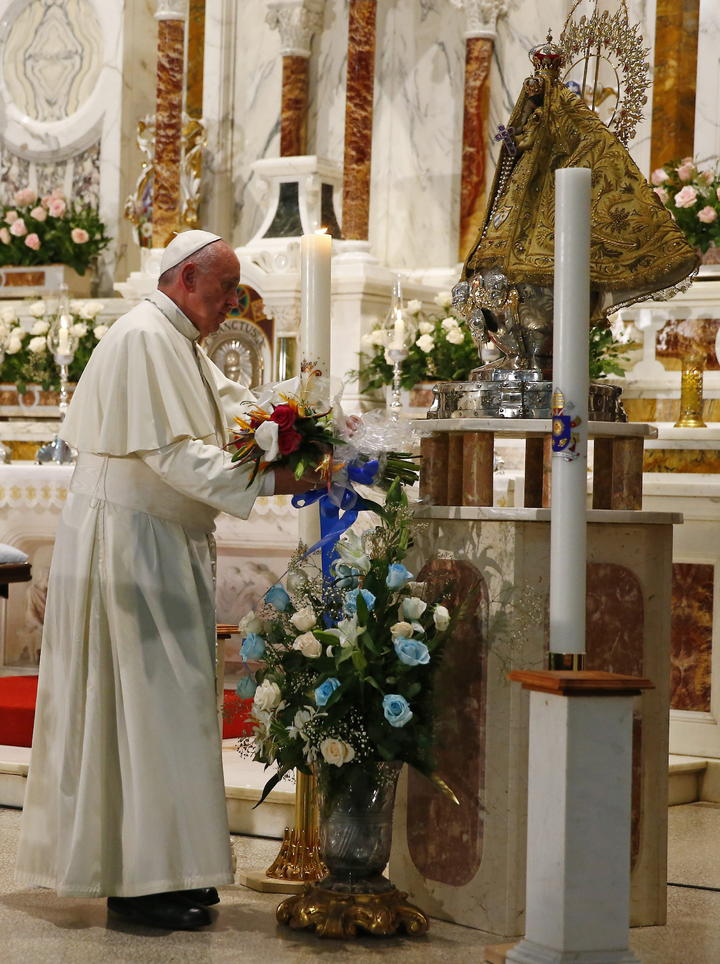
pixel 614 642
pixel 358 119
pixel 674 78
pixel 168 131
pixel 196 58
pixel 446 841
pixel 478 58
pixel 293 111
pixel 691 636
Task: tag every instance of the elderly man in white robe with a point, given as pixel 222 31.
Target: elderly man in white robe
pixel 125 795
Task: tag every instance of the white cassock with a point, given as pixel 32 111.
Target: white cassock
pixel 125 793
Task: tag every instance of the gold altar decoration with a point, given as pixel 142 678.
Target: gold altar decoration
pixel 337 915
pixel 636 248
pixel 691 391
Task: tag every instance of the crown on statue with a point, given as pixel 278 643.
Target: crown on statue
pixel 547 56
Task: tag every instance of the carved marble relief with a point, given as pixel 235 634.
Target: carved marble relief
pixel 52 58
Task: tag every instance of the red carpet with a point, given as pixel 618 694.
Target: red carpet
pixel 17 711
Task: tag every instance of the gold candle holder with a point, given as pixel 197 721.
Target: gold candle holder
pixel 691 391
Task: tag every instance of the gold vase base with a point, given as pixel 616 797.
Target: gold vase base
pixel 340 916
pixel 299 858
pixel 690 420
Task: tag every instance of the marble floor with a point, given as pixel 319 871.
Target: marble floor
pixel 38 928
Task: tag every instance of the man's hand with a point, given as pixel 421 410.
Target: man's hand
pixel 287 484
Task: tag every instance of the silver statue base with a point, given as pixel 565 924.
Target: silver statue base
pixel 516 393
pixel 57 451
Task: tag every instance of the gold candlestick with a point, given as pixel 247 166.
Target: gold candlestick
pixel 691 391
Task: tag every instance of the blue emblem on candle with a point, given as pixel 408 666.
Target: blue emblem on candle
pixel 564 440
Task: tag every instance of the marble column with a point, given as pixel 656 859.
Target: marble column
pixel 358 119
pixel 195 59
pixel 296 21
pixel 480 29
pixel 171 16
pixel 674 80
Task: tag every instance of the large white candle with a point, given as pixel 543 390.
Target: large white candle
pixel 315 252
pixel 568 528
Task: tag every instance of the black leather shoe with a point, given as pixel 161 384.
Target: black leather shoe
pixel 167 911
pixel 201 895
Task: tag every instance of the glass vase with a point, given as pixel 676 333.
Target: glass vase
pixel 356 810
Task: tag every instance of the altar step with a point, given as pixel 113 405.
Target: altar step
pixel 244 780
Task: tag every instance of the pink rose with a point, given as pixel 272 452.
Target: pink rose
pixel 39 213
pixel 79 235
pixel 686 197
pixel 11 216
pixel 24 197
pixel 58 192
pixel 658 176
pixel 5 236
pixel 717 191
pixel 686 171
pixel 662 194
pixel 706 177
pixel 45 201
pixel 707 215
pixel 56 207
pixel 32 241
pixel 18 228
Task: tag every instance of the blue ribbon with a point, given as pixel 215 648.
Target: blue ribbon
pixel 332 524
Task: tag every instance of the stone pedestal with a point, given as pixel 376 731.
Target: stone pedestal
pixel 580 780
pixel 467 864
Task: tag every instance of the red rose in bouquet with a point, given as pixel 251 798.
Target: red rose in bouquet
pixel 285 416
pixel 289 441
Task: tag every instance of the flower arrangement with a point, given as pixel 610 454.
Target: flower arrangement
pixel 348 660
pixel 692 195
pixel 439 346
pixel 50 229
pixel 26 356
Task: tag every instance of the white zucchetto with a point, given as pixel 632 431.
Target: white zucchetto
pixel 183 245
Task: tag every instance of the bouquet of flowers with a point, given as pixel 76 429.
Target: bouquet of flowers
pixel 293 428
pixel 50 229
pixel 348 660
pixel 439 346
pixel 692 195
pixel 26 357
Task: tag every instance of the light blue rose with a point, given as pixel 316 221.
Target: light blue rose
pixel 325 690
pixel 396 709
pixel 411 651
pixel 397 576
pixel 352 596
pixel 253 647
pixel 245 687
pixel 346 576
pixel 277 597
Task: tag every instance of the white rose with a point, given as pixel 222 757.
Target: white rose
pixel 455 336
pixel 36 345
pixel 441 618
pixel 379 337
pixel 14 345
pixel 79 330
pixel 251 624
pixel 449 323
pixel 99 331
pixel 412 607
pixel 8 316
pixel 336 752
pixel 304 619
pixel 308 645
pixel 402 629
pixel 37 309
pixel 76 306
pixel 426 327
pixel 425 343
pixel 91 309
pixel 414 306
pixel 40 328
pixel 266 436
pixel 443 299
pixel 267 696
